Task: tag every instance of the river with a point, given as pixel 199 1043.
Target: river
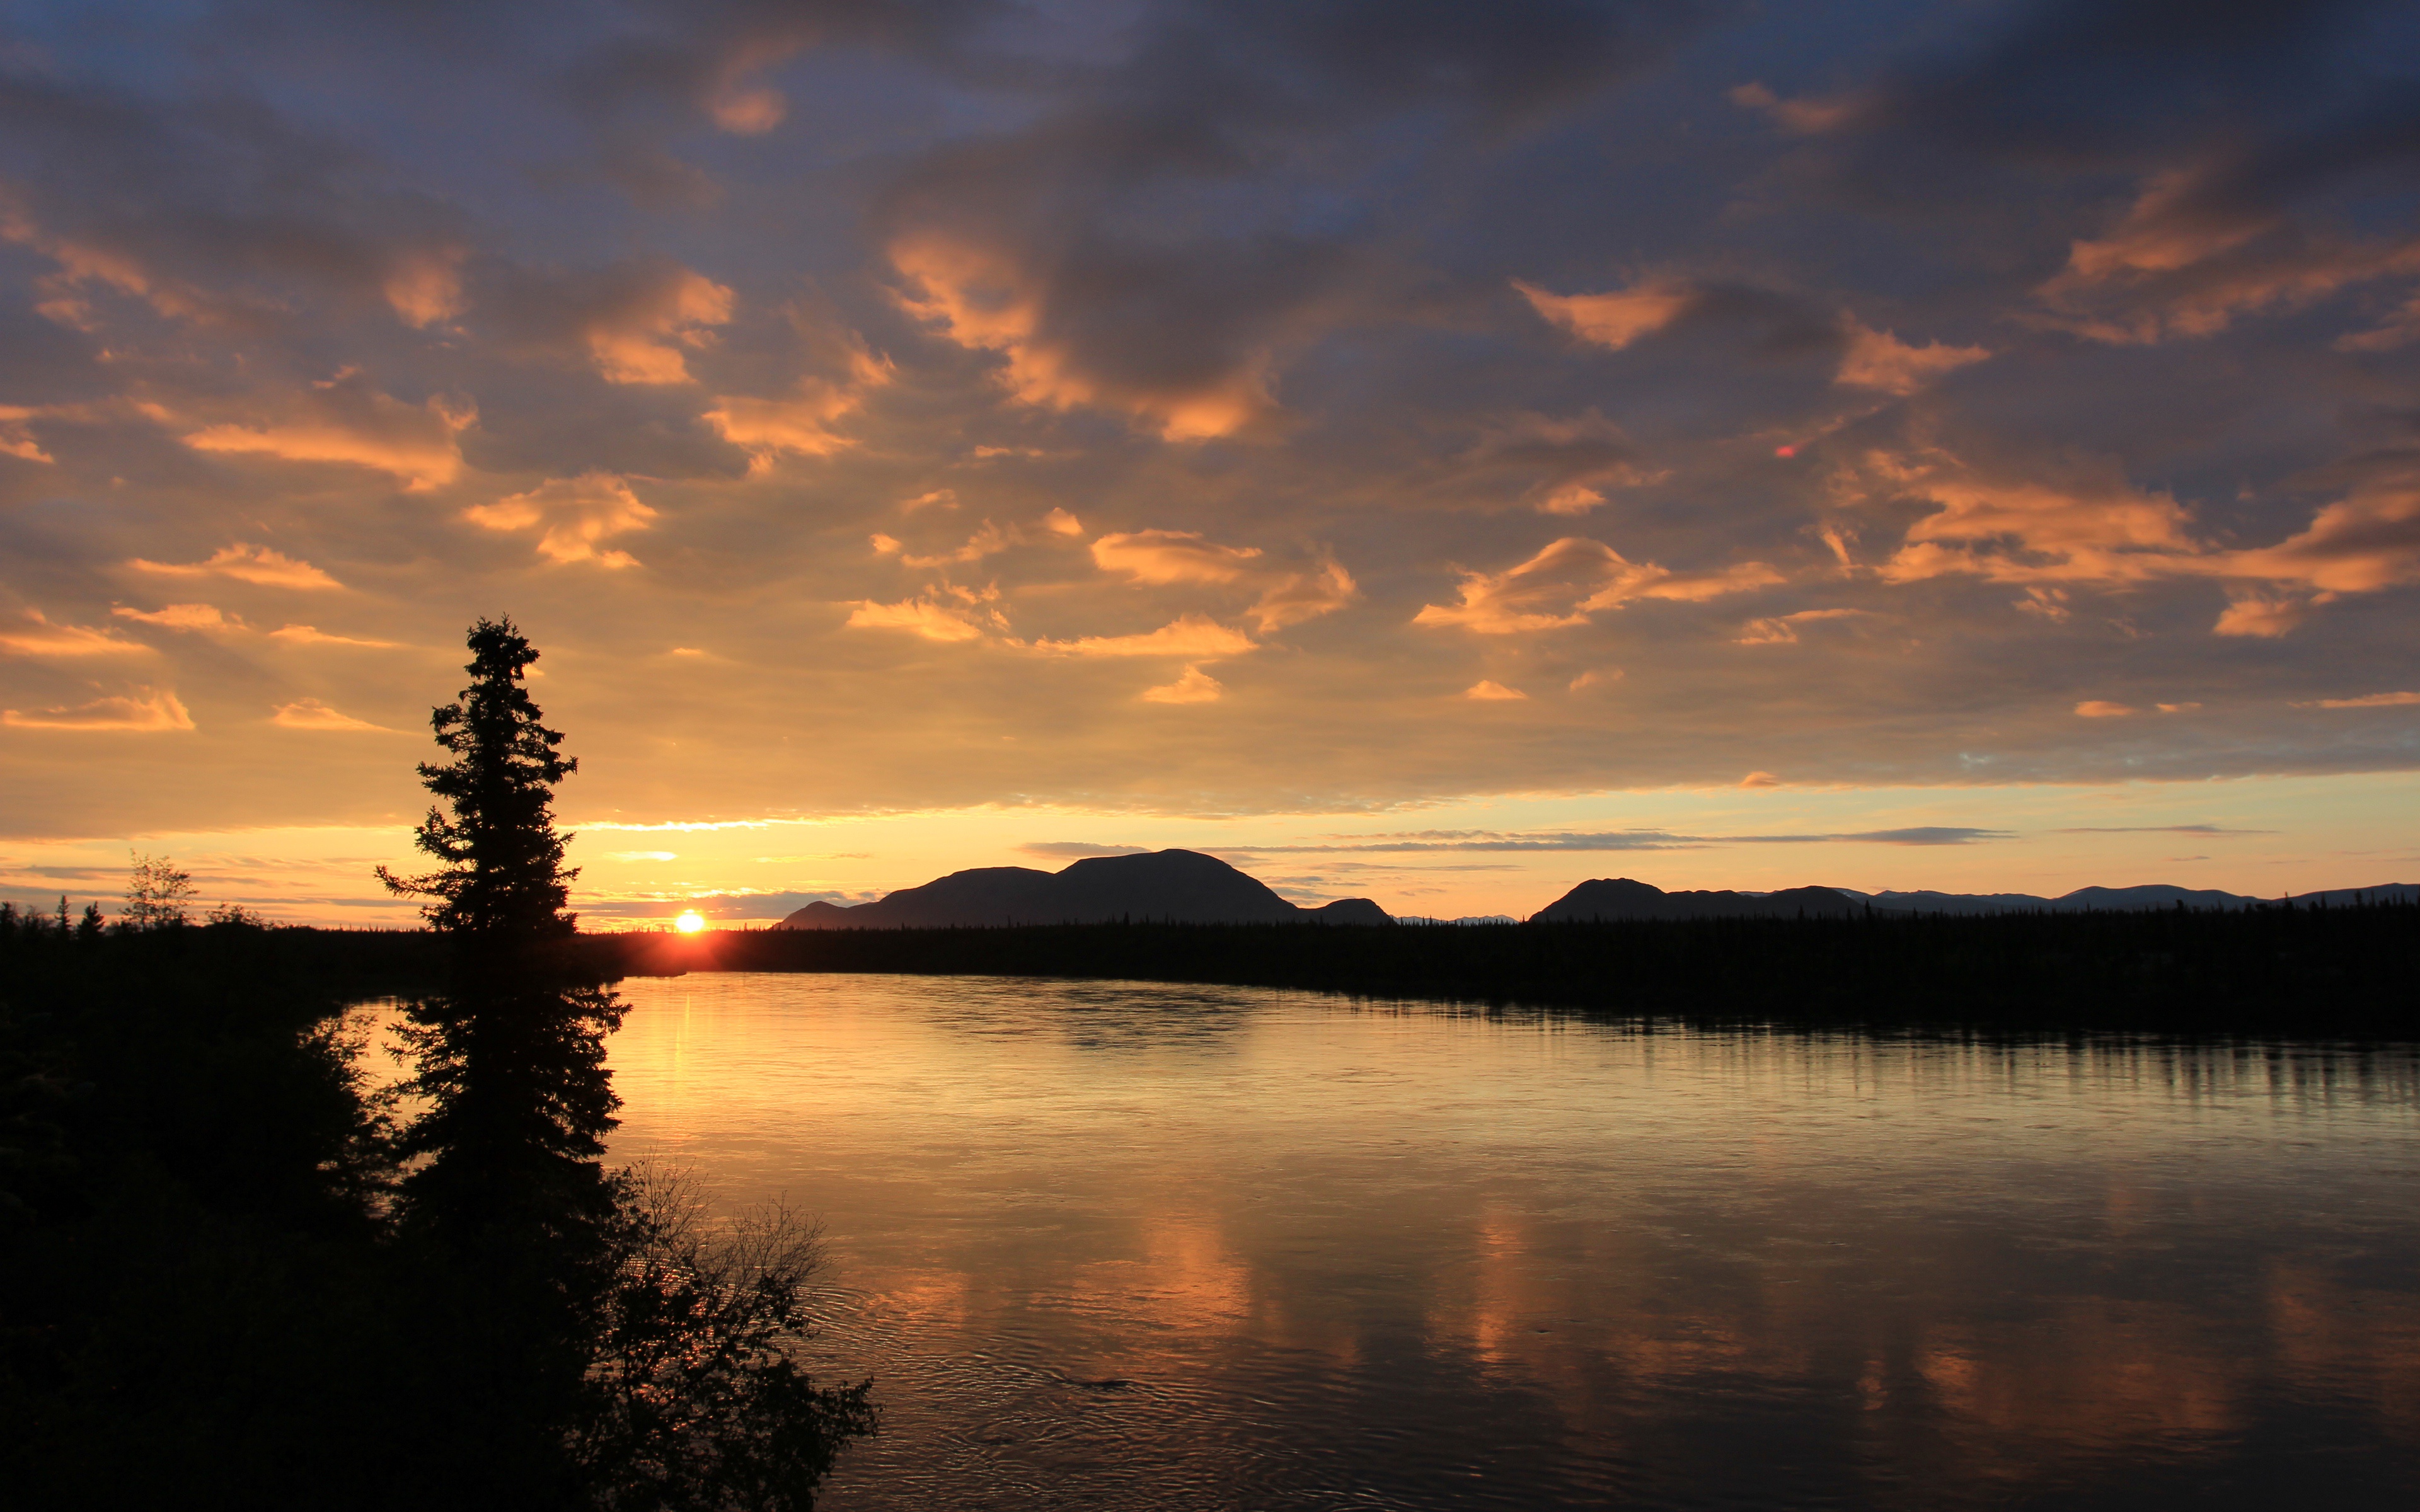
pixel 1125 1246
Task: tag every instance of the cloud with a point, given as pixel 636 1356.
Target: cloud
pixel 346 421
pixel 1632 839
pixel 2261 614
pixel 1075 850
pixel 307 635
pixel 1192 685
pixel 32 635
pixel 1171 557
pixel 184 617
pixel 1783 630
pixel 577 514
pixel 1161 558
pixel 259 564
pixel 1303 595
pixel 1572 579
pixel 2367 701
pixel 1805 116
pixel 1759 780
pixel 988 541
pixel 1597 677
pixel 424 288
pixel 642 332
pixel 17 439
pixel 310 714
pixel 2193 253
pixel 2158 829
pixel 2366 541
pixel 1615 320
pixel 1487 690
pixel 802 422
pixel 1879 360
pixel 1192 636
pixel 149 713
pixel 979 298
pixel 2102 709
pixel 944 614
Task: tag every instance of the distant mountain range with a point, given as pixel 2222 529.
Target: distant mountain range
pixel 1622 898
pixel 1160 886
pixel 1189 888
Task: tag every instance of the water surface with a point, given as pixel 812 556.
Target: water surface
pixel 1114 1245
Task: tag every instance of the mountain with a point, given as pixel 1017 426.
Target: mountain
pixel 1622 898
pixel 2091 898
pixel 1160 886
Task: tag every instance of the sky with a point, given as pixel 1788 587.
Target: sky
pixel 1421 450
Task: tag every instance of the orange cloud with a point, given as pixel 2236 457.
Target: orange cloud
pixel 1303 595
pixel 1171 557
pixel 640 337
pixel 947 614
pixel 1195 637
pixel 184 617
pixel 2182 262
pixel 1572 579
pixel 1759 780
pixel 1488 691
pixel 1166 556
pixel 308 634
pixel 2368 540
pixel 346 421
pixel 984 303
pixel 35 636
pixel 2102 709
pixel 2261 614
pixel 1193 685
pixel 246 564
pixel 803 422
pixel 1879 360
pixel 988 541
pixel 1783 630
pixel 424 288
pixel 310 714
pixel 2094 529
pixel 1613 319
pixel 149 714
pixel 577 514
pixel 16 439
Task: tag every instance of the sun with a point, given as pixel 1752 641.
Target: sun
pixel 689 922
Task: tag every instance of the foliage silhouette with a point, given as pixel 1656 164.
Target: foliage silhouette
pixel 156 894
pixel 626 1357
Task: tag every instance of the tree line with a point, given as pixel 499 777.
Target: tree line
pixel 2325 972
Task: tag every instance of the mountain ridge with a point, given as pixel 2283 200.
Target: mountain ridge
pixel 1154 886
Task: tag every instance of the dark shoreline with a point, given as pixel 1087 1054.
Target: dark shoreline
pixel 2324 973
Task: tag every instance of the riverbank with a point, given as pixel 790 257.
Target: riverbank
pixel 2330 972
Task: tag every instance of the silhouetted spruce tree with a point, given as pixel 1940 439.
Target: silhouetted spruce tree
pixel 511 1056
pixel 507 1198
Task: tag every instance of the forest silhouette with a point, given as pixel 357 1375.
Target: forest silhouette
pixel 237 1276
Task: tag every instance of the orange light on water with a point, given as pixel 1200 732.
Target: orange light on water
pixel 689 922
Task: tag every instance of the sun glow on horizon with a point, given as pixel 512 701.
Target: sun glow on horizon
pixel 689 922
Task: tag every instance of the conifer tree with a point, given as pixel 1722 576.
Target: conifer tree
pixel 511 1056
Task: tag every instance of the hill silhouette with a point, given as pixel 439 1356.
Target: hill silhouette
pixel 1620 898
pixel 1158 886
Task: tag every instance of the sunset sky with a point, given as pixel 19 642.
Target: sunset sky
pixel 1425 451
